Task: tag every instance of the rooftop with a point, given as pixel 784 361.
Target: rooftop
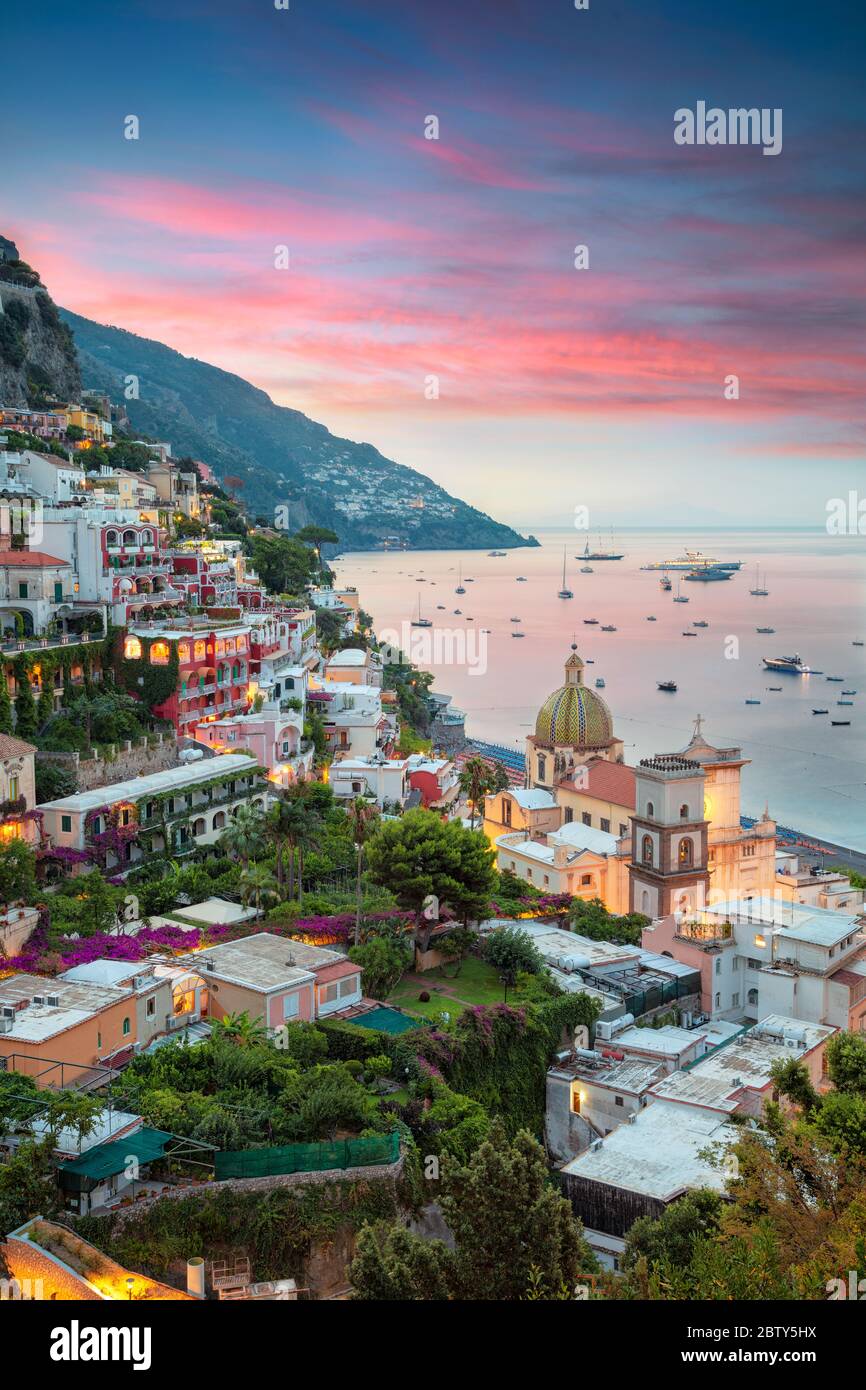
pixel 350 656
pixel 633 1075
pixel 822 926
pixel 604 780
pixel 557 945
pixel 30 560
pixel 78 1001
pixel 718 1081
pixel 659 1153
pixel 174 778
pixel 264 962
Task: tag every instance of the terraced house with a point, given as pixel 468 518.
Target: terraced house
pixel 206 670
pixel 172 812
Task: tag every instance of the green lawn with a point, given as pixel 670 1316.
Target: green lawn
pixel 477 983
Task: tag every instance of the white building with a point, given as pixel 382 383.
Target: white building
pixel 54 478
pixel 385 779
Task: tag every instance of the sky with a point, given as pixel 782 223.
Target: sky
pixel 431 303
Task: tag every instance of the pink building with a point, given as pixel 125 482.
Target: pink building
pixel 277 981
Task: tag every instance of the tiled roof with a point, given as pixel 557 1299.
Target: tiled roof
pixel 29 559
pixel 14 747
pixel 608 781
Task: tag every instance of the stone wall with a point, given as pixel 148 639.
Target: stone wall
pixel 130 759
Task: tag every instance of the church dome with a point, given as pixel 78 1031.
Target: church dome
pixel 574 715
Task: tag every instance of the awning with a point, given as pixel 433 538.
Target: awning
pixel 104 1160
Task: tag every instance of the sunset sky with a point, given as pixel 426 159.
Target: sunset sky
pixel 454 258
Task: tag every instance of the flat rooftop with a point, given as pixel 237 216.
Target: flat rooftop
pixel 800 921
pixel 659 1152
pixel 718 1081
pixel 78 1001
pixel 633 1075
pixel 188 776
pixel 671 1041
pixel 263 962
pixel 555 945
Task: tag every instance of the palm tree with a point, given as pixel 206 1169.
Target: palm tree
pixel 293 826
pixel 257 883
pixel 279 822
pixel 362 814
pixel 240 1028
pixel 244 835
pixel 478 779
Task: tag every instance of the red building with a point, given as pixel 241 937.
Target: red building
pixel 213 670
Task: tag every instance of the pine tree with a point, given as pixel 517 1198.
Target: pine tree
pixel 6 722
pixel 25 706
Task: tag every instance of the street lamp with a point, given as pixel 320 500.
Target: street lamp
pixel 130 1284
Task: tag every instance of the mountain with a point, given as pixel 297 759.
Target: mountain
pixel 281 457
pixel 37 355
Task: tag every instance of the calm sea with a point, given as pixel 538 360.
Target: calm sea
pixel 812 776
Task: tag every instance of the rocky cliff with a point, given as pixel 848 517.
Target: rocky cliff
pixel 38 361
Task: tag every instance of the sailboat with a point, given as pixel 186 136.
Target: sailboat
pixel 600 553
pixel 678 597
pixel 759 591
pixel 666 583
pixel 419 621
pixel 564 592
pixel 460 589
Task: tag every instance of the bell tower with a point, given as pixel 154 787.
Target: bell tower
pixel 668 870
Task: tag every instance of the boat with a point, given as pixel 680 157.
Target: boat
pixel 666 584
pixel 774 687
pixel 587 569
pixel 708 573
pixel 419 621
pixel 514 620
pixel 442 606
pixel 564 592
pixel 690 634
pixel 518 634
pixel 651 619
pixel 521 579
pixel 836 679
pixel 470 620
pixel 848 692
pixel 793 665
pixel 600 553
pixel 458 612
pixel 820 711
pixel 759 591
pixel 667 685
pixel 608 627
pixel 678 597
pixel 765 629
pixel 591 622
pixel 844 702
pixel 460 589
pixel 599 682
pixel 496 554
pixel 700 623
pixel 488 630
pixel 856 644
pixel 753 702
pixel 841 723
pixel 693 559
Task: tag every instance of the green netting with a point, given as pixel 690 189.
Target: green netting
pixel 308 1158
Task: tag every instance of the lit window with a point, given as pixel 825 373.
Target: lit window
pixel 760 941
pixel 159 654
pixel 183 651
pixel 132 649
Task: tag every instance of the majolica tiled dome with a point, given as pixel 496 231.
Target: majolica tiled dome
pixel 574 715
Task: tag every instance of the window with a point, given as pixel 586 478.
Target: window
pixel 99 1042
pixel 617 1100
pixel 349 986
pixel 66 825
pixel 291 1006
pixel 586 880
pixel 718 1001
pixel 183 652
pixel 586 818
pixel 623 828
pixel 718 965
pixel 151 1008
pixel 13 787
pixel 22 588
pixel 506 811
pixel 647 850
pixel 569 815
pixel 58 591
pixel 752 996
pixel 542 767
pixel 685 853
pixel 735 1001
pixel 748 851
pixel 126 816
pixel 575 1100
pixel 328 993
pixel 200 651
pixel 605 825
pixel 159 654
pixel 127 1027
pixel 650 810
pixel 547 881
pixel 132 649
pixel 684 811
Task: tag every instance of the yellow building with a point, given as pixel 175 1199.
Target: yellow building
pixel 95 428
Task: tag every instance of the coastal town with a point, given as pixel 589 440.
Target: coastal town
pixel 291 968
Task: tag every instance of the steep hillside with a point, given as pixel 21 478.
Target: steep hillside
pixel 37 356
pixel 280 455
